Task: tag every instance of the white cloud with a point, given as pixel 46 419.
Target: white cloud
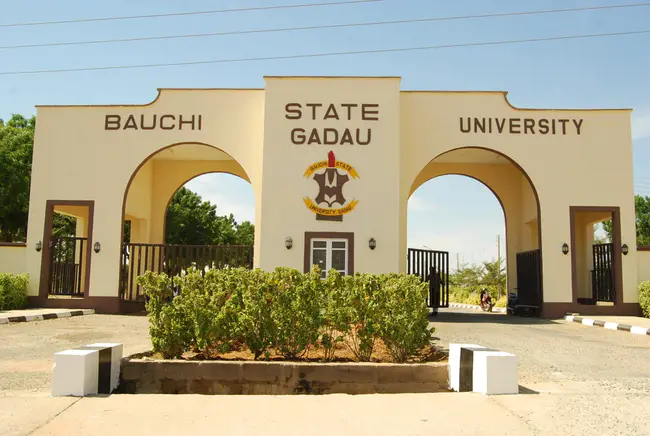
pixel 641 125
pixel 417 204
pixel 229 193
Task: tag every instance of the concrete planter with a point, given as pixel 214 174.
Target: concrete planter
pixel 278 378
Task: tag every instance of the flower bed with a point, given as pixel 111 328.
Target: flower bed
pixel 288 315
pixel 237 331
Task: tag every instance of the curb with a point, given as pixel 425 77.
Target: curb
pixel 608 325
pixel 43 316
pixel 471 306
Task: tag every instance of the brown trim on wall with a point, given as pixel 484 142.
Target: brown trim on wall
pixel 559 310
pixel 109 305
pixel 47 235
pixel 329 235
pixel 618 258
pixel 643 248
pixel 13 244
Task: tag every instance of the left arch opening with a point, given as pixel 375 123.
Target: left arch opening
pixel 196 232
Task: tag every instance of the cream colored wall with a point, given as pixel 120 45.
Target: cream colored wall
pixel 377 214
pixel 12 259
pixel 561 167
pixel 99 163
pixel 643 262
pixel 169 176
pixel 414 128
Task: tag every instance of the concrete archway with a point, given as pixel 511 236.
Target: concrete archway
pixel 509 183
pixel 150 189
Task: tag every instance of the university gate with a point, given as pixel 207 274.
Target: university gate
pixel 433 268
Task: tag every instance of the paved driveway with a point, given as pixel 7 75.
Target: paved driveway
pixel 575 380
pixel 581 380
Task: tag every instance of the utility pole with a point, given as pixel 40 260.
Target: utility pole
pixel 457 261
pixel 499 262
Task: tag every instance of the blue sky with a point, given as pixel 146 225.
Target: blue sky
pixel 452 213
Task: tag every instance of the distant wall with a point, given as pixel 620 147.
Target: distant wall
pixel 12 258
pixel 643 261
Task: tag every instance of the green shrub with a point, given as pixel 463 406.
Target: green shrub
pixel 169 327
pixel 214 314
pixel 644 298
pixel 296 304
pixel 502 302
pixel 403 324
pixel 361 312
pixel 335 326
pixel 13 291
pixel 285 311
pixel 256 325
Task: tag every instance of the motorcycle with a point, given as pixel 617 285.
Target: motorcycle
pixel 486 303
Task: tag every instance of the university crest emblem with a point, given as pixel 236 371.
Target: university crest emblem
pixel 330 204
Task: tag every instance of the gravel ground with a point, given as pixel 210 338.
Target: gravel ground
pixel 27 349
pixel 578 379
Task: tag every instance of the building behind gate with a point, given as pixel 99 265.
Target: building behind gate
pixel 332 162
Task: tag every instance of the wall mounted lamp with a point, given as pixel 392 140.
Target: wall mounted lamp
pixel 625 249
pixel 39 246
pixel 565 248
pixel 372 243
pixel 288 243
pixel 97 247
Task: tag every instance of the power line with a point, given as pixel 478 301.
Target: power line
pixel 178 14
pixel 330 54
pixel 325 26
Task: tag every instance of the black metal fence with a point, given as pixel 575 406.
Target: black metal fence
pixel 67 260
pixel 172 259
pixel 433 267
pixel 602 276
pixel 529 279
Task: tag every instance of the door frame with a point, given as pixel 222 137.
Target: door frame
pixel 617 256
pixel 349 236
pixel 43 291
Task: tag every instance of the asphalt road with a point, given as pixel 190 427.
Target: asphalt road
pixel 574 380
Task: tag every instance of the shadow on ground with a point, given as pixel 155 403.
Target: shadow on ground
pixel 483 318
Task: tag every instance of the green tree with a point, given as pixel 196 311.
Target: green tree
pixel 467 276
pixel 494 275
pixel 64 225
pixel 642 210
pixel 245 234
pixel 16 145
pixel 190 220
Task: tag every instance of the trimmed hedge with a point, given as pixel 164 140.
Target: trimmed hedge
pixel 286 312
pixel 13 291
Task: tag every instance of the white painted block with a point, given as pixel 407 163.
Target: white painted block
pixel 611 326
pixel 75 373
pixel 569 318
pixel 495 373
pixel 587 321
pixel 453 367
pixel 639 330
pixel 116 358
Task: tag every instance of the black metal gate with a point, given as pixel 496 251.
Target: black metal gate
pixel 602 276
pixel 67 257
pixel 171 259
pixel 529 281
pixel 432 267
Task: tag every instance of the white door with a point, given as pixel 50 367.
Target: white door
pixel 328 254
